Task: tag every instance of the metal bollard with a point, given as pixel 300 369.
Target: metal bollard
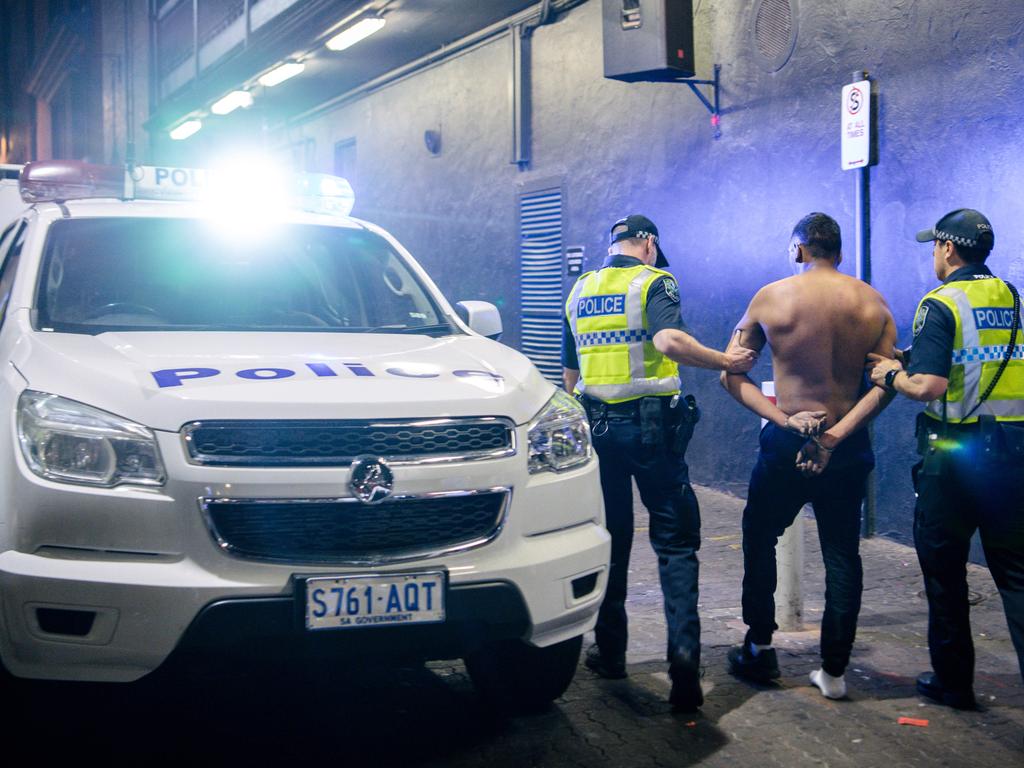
pixel 789 563
pixel 789 592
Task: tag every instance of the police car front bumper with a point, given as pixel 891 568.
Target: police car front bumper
pixel 116 613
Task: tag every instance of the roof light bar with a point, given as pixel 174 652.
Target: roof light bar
pixel 231 102
pixel 247 190
pixel 48 180
pixel 352 35
pixel 186 129
pixel 279 74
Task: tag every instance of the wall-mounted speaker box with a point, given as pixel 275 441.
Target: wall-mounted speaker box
pixel 648 40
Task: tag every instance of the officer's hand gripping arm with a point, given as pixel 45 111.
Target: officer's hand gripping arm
pixel 683 348
pixel 749 335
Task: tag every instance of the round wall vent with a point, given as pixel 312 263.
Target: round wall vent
pixel 774 32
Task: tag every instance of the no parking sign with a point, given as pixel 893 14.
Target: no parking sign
pixel 855 125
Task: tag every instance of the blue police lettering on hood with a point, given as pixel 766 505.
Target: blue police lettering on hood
pixel 176 377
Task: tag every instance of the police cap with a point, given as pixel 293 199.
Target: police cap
pixel 638 226
pixel 965 227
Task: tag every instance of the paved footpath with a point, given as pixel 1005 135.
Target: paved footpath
pixel 430 716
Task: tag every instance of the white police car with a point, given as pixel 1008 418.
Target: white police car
pixel 238 422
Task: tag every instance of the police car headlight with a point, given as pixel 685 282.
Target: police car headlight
pixel 559 436
pixel 70 442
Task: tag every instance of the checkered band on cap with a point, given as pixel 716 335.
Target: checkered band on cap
pixel 601 338
pixel 956 239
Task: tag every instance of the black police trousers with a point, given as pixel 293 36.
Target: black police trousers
pixel 967 494
pixel 777 493
pixel 663 479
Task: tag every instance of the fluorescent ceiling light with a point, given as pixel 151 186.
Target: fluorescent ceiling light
pixel 186 129
pixel 352 35
pixel 279 74
pixel 231 102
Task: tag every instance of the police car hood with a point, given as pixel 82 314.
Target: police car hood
pixel 164 380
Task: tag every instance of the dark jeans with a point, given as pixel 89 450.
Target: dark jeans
pixel 664 483
pixel 968 495
pixel 777 493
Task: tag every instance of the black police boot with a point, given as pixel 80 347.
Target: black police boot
pixel 928 685
pixel 686 695
pixel 611 667
pixel 762 668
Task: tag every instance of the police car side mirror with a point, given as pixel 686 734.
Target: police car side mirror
pixel 481 316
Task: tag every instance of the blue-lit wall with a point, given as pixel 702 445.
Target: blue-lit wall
pixel 951 128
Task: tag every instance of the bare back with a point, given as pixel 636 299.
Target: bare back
pixel 820 325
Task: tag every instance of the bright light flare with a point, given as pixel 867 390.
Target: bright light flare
pixel 231 102
pixel 186 129
pixel 352 35
pixel 322 193
pixel 279 74
pixel 247 197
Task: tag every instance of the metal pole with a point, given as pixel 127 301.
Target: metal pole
pixel 248 23
pixel 129 88
pixel 789 591
pixel 195 41
pixel 520 97
pixel 862 243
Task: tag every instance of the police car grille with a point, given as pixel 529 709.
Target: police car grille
pixel 349 531
pixel 317 443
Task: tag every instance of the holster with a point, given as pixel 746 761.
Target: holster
pixel 686 418
pixel 1000 440
pixel 931 445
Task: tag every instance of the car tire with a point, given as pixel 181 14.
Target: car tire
pixel 513 675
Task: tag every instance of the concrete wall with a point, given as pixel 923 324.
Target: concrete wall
pixel 950 130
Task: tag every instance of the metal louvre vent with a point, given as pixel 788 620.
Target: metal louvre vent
pixel 774 32
pixel 337 443
pixel 540 245
pixel 348 531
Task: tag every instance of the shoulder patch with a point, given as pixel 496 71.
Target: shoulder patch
pixel 920 318
pixel 672 289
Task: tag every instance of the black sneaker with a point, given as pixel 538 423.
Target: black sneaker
pixel 613 668
pixel 928 685
pixel 686 695
pixel 762 668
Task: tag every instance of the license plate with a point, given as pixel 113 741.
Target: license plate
pixel 375 601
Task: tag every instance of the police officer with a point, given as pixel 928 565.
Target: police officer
pixel 622 344
pixel 967 362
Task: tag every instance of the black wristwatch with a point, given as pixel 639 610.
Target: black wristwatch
pixel 890 379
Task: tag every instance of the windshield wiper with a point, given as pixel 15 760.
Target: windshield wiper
pixel 427 330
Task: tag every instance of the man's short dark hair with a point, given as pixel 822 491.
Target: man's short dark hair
pixel 972 255
pixel 820 233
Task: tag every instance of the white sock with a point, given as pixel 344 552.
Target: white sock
pixel 756 649
pixel 830 687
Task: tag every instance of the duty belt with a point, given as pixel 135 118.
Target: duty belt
pixel 628 409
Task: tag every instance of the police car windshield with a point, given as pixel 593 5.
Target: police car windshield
pixel 161 274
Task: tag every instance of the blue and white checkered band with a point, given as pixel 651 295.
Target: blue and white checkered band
pixel 956 239
pixel 985 354
pixel 645 234
pixel 602 338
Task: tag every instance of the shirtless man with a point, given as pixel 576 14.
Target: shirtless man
pixel 821 325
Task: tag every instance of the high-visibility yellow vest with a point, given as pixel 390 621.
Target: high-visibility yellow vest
pixel 983 309
pixel 607 311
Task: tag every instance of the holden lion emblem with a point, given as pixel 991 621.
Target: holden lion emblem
pixel 372 479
